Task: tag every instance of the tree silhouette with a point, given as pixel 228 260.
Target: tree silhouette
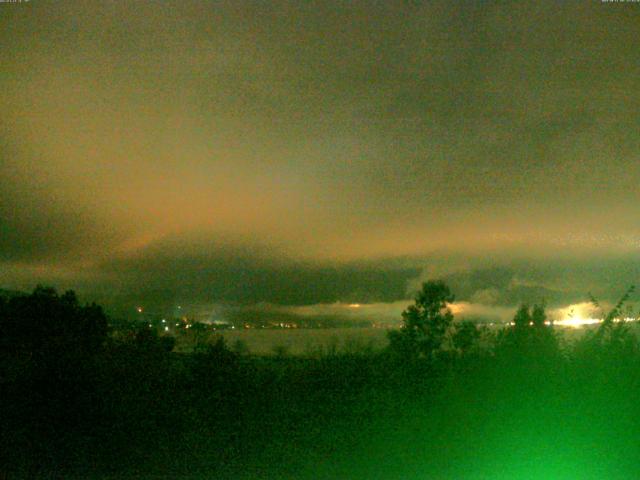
pixel 530 337
pixel 522 318
pixel 426 322
pixel 45 323
pixel 538 316
pixel 465 337
pixel 612 338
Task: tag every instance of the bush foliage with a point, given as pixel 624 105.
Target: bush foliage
pixel 81 401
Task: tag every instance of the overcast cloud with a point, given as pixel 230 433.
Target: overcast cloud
pixel 313 152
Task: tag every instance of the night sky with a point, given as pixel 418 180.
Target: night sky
pixel 302 153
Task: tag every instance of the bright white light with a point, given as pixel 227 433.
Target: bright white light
pixel 577 322
pixel 139 309
pixel 354 305
pixel 166 329
pixel 577 315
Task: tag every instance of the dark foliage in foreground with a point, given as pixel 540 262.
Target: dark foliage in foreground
pixel 79 403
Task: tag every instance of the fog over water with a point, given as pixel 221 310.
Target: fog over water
pixel 365 326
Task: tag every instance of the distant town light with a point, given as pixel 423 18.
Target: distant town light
pixel 139 309
pixel 577 322
pixel 166 329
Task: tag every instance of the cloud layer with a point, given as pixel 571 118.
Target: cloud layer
pixel 317 152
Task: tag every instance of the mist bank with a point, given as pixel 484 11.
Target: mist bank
pixel 359 315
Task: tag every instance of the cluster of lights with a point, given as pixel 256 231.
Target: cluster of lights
pixel 140 309
pixel 572 320
pixel 577 322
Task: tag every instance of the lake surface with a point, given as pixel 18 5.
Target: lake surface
pixel 307 341
pixel 334 340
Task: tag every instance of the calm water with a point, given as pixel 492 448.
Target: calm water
pixel 304 341
pixel 309 341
